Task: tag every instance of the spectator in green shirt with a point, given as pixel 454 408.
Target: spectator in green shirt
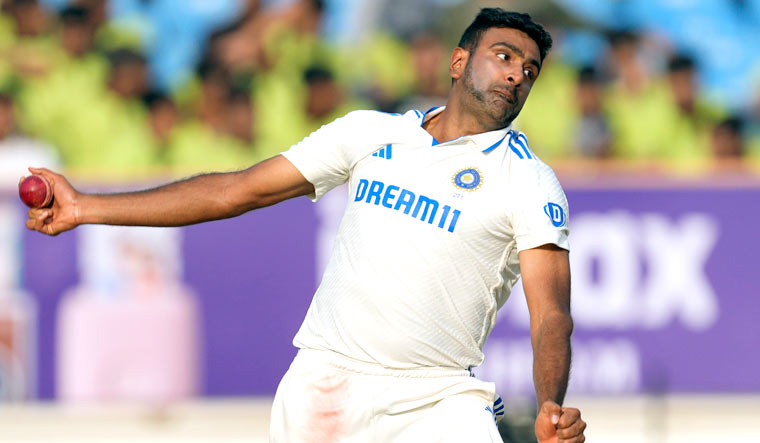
pixel 219 134
pixel 593 134
pixel 163 119
pixel 639 105
pixel 27 47
pixel 95 115
pixel 693 119
pixel 727 139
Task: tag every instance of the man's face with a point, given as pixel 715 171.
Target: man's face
pixel 129 79
pixel 77 38
pixel 684 88
pixel 7 119
pixel 499 75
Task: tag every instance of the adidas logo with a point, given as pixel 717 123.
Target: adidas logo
pixel 386 152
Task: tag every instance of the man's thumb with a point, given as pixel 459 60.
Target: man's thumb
pixel 552 410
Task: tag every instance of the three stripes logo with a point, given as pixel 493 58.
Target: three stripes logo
pixel 498 409
pixel 386 152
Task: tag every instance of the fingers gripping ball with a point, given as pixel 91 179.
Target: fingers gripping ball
pixel 35 191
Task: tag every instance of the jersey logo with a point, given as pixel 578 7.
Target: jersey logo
pixel 555 213
pixel 419 206
pixel 469 179
pixel 386 152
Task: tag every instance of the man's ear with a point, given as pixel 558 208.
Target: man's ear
pixel 458 61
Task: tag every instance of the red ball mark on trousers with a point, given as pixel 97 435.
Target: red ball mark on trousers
pixel 328 402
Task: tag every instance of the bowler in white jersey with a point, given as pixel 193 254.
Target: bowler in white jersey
pixel 447 209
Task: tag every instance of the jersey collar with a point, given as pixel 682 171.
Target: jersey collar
pixel 485 141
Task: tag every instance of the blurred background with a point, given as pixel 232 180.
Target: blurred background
pixel 649 111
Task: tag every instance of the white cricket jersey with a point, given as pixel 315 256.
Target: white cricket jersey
pixel 427 249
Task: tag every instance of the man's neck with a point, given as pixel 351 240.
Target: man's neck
pixel 454 122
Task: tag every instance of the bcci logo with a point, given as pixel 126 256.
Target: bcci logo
pixel 468 179
pixel 555 213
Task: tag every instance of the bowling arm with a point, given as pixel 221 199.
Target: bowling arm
pixel 193 200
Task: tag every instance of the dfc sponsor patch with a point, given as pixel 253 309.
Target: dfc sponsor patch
pixel 555 213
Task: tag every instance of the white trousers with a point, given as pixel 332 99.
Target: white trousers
pixel 325 397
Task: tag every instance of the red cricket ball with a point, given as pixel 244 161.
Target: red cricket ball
pixel 35 191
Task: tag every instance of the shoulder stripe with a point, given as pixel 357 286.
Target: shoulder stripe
pixel 523 145
pixel 514 148
pixel 524 139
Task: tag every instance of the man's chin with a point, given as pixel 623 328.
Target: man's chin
pixel 504 116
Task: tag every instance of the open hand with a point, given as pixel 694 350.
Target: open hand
pixel 556 424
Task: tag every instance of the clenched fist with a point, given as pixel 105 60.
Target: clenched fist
pixel 556 424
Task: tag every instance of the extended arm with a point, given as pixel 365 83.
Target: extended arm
pixel 546 281
pixel 194 200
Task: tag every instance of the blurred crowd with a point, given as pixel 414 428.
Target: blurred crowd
pixel 620 108
pixel 129 88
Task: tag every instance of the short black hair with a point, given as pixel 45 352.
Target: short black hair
pixel 680 63
pixel 74 15
pixel 318 5
pixel 155 97
pixel 209 67
pixel 588 75
pixel 489 18
pixel 125 56
pixel 733 124
pixel 623 37
pixel 317 74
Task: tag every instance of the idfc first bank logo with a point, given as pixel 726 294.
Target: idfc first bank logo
pixel 555 213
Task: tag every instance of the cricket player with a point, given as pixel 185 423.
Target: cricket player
pixel 447 209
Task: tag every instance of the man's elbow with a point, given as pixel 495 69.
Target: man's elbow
pixel 237 198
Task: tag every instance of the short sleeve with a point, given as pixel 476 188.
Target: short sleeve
pixel 540 214
pixel 324 157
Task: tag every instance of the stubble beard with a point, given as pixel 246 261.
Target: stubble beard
pixel 500 114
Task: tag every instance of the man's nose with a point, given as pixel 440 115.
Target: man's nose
pixel 515 76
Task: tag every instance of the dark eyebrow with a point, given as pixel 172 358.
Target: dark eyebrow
pixel 519 52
